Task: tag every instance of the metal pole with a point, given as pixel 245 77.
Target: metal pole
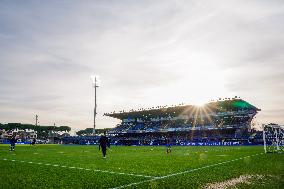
pixel 36 120
pixel 95 108
pixel 264 140
pixel 277 139
pixel 36 125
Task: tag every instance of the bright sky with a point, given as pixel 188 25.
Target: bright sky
pixel 147 53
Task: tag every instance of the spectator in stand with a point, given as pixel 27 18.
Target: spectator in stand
pixel 104 143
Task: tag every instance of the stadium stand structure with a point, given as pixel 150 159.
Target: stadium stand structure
pixel 220 121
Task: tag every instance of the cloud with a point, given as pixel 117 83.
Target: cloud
pixel 146 53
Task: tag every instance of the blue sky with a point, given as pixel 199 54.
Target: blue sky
pixel 147 53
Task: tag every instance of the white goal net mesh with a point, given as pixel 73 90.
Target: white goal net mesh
pixel 273 138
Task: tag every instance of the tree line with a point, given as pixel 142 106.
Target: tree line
pixel 42 131
pixel 89 131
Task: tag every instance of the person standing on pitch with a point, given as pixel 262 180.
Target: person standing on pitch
pixel 33 142
pixel 168 145
pixel 104 143
pixel 13 141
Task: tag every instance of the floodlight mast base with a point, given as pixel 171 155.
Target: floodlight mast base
pixel 95 85
pixel 264 141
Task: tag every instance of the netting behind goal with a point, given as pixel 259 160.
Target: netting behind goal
pixel 273 138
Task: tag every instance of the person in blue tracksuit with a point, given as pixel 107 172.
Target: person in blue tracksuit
pixel 168 145
pixel 13 141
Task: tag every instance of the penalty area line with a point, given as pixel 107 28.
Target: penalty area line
pixel 184 172
pixel 78 168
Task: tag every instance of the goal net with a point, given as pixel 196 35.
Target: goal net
pixel 273 138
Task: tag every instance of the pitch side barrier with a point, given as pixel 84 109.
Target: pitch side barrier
pixel 17 142
pixel 213 144
pixel 206 144
pixel 191 144
pixel 187 144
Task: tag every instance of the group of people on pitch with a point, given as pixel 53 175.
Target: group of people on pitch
pixel 104 142
pixel 13 140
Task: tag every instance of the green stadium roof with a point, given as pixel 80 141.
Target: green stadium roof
pixel 218 106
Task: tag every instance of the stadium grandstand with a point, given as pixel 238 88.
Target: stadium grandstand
pixel 216 122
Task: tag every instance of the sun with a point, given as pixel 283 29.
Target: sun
pixel 199 102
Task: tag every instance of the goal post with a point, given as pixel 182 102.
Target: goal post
pixel 273 138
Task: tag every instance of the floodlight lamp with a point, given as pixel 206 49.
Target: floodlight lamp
pixel 95 80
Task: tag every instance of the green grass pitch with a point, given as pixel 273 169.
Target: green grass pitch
pixel 66 166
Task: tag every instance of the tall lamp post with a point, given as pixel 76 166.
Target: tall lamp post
pixel 36 120
pixel 36 124
pixel 95 80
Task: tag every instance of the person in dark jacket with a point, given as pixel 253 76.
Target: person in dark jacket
pixel 33 142
pixel 103 144
pixel 13 141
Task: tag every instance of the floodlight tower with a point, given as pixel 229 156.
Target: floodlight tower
pixel 95 80
pixel 36 120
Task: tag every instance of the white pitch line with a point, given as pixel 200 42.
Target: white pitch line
pixel 80 168
pixel 171 175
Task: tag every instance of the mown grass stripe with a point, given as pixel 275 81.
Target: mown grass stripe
pixel 175 174
pixel 80 168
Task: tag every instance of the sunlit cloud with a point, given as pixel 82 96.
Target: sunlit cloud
pixel 146 54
